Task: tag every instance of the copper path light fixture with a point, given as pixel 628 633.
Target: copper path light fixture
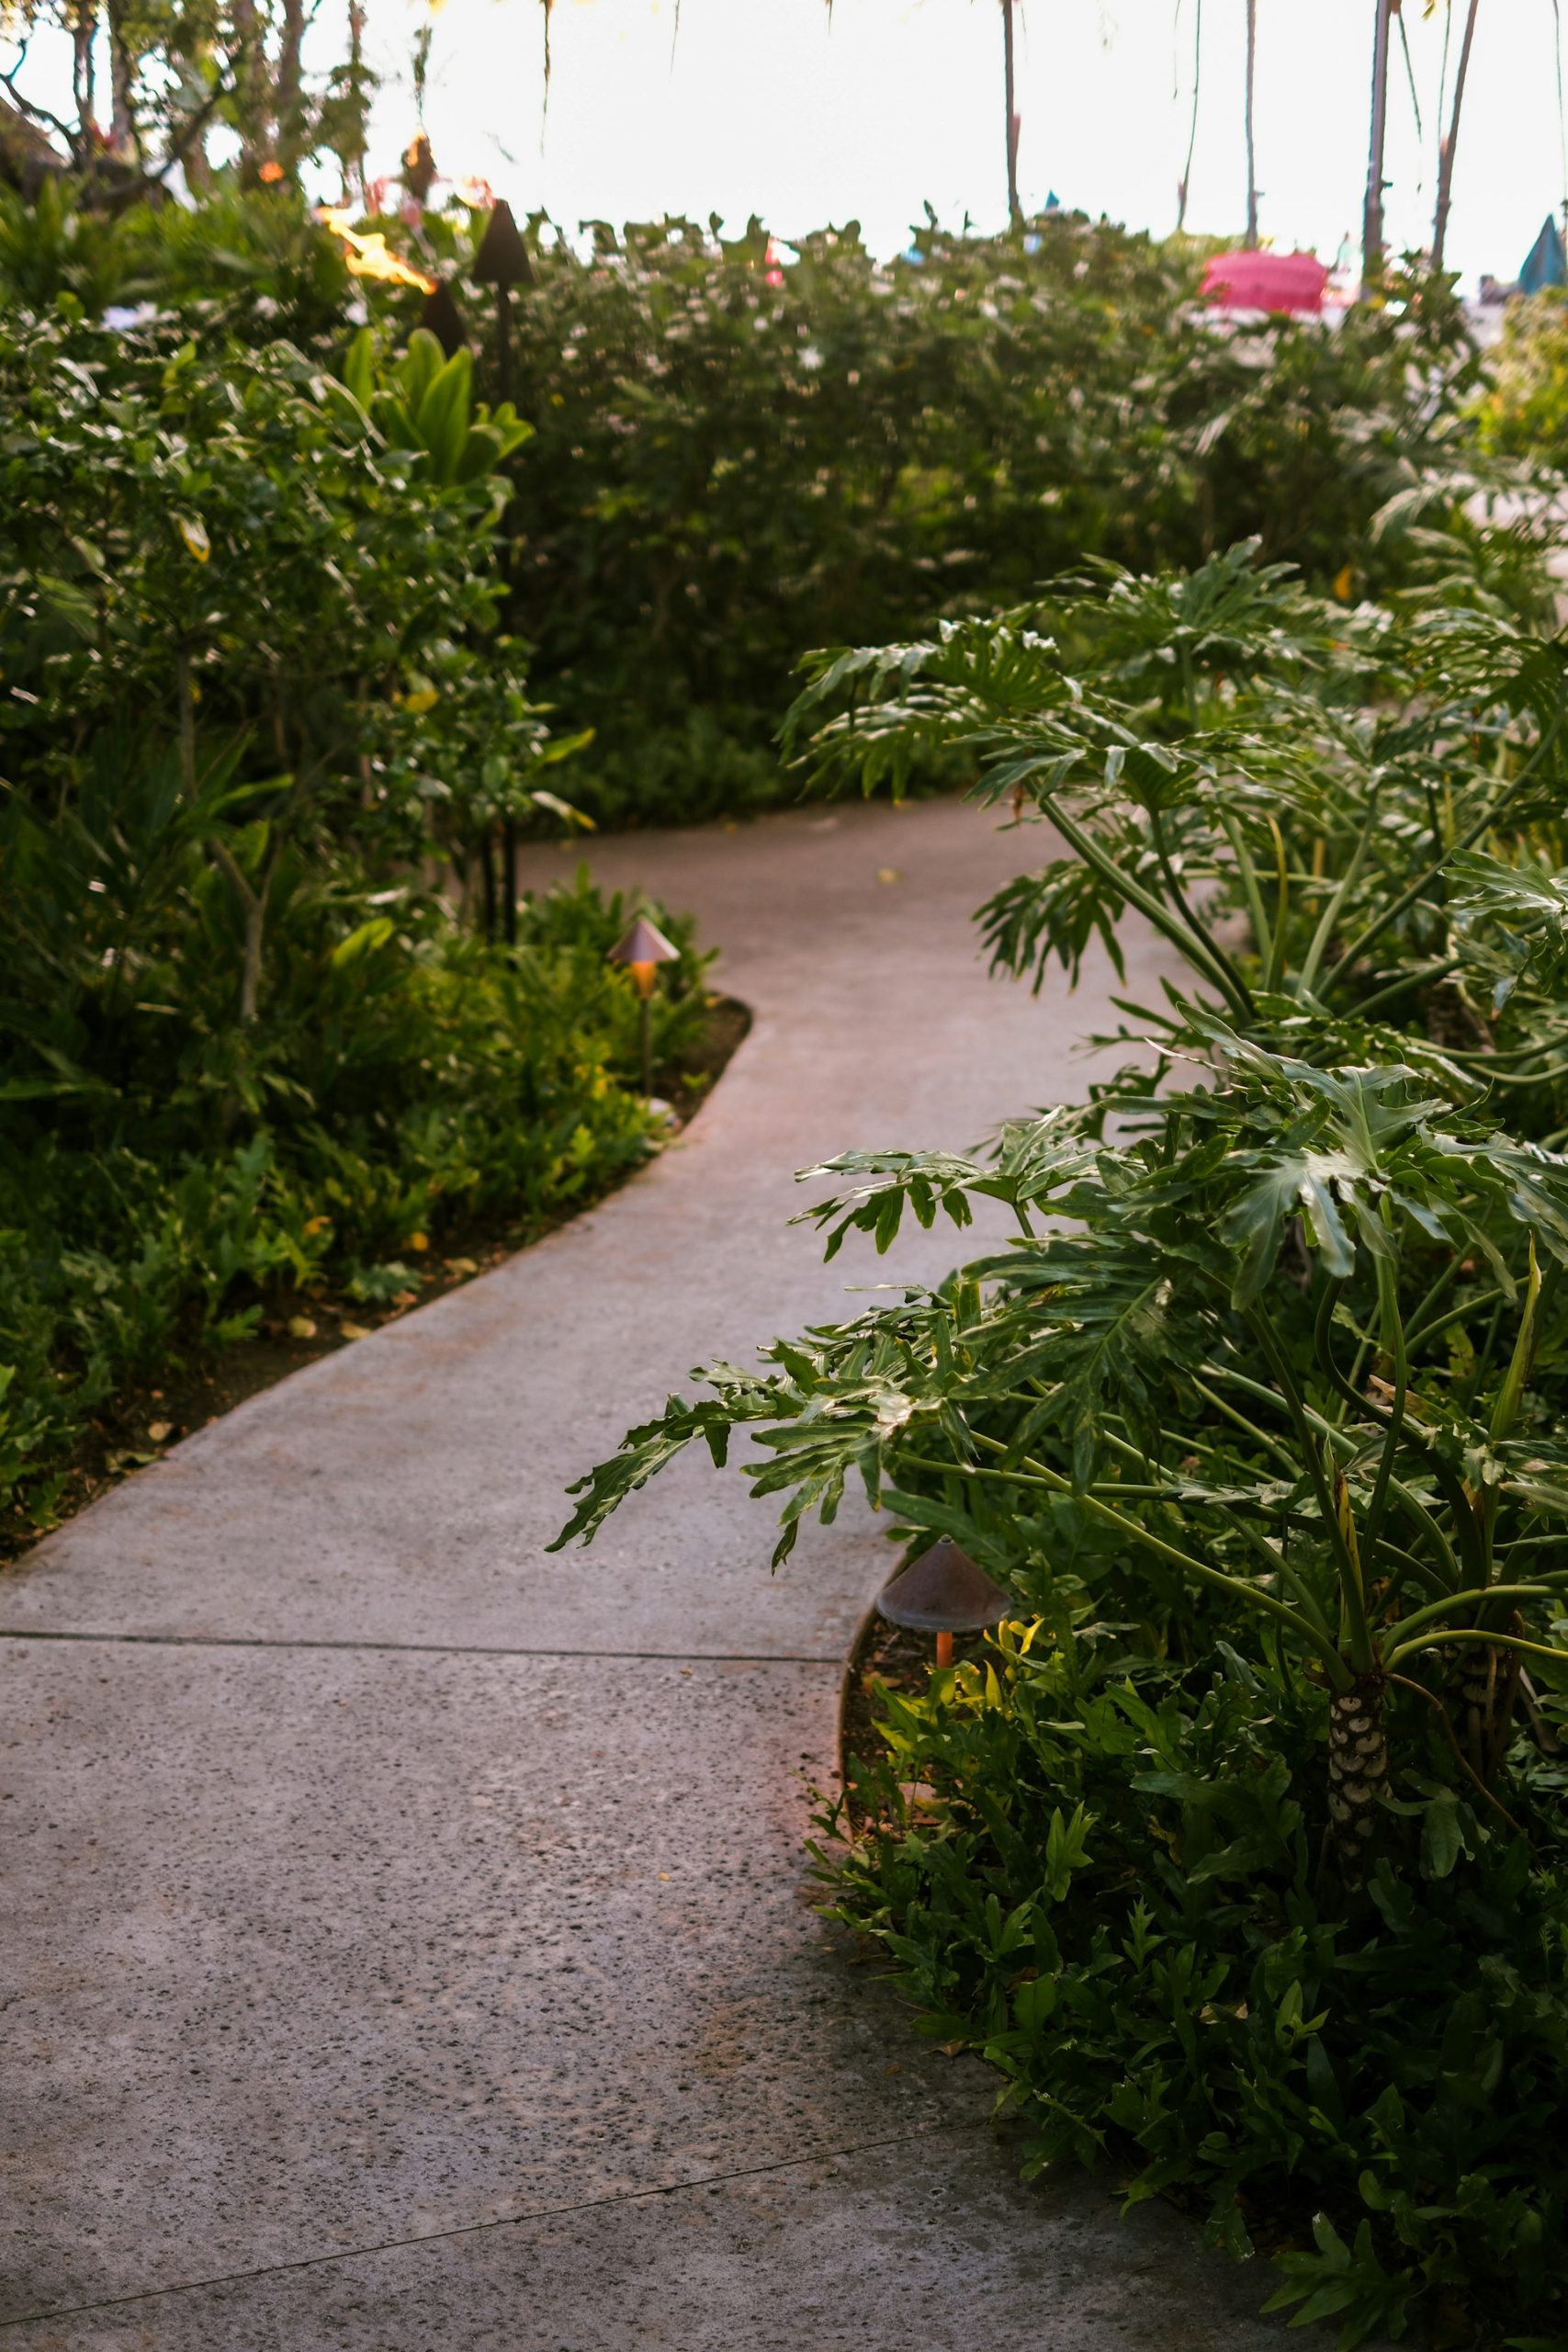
pixel 503 262
pixel 642 951
pixel 943 1592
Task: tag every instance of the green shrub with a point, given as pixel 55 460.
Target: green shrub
pixel 1273 1373
pixel 1106 1879
pixel 1524 412
pixel 257 698
pixel 411 1083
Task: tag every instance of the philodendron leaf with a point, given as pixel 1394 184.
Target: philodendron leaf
pixel 1255 1225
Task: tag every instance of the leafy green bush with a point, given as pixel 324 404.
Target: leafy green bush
pixel 1104 1876
pixel 410 1082
pixel 1524 412
pixel 1274 1371
pixel 740 457
pixel 256 696
pixel 744 451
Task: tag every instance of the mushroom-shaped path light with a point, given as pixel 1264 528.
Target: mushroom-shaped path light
pixel 642 951
pixel 943 1592
pixel 503 262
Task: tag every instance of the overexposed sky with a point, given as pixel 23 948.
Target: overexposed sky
pixel 769 106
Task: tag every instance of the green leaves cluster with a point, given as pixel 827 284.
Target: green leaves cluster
pixel 1272 1371
pixel 745 448
pixel 256 699
pixel 1102 1874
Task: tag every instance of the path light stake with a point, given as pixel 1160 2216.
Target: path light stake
pixel 642 951
pixel 503 262
pixel 445 320
pixel 943 1592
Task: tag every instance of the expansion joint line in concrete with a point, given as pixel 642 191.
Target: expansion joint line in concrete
pixel 479 2229
pixel 420 1649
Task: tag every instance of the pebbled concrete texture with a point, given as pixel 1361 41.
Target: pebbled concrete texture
pixel 408 1936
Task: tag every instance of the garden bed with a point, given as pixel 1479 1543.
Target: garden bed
pixel 148 1415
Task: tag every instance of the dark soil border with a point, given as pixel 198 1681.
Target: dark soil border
pixel 148 1416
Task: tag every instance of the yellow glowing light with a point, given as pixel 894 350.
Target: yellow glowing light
pixel 367 254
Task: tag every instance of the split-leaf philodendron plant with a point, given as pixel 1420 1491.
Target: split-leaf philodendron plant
pixel 1281 1338
pixel 1229 1325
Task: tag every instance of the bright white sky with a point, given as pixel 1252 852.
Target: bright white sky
pixel 769 107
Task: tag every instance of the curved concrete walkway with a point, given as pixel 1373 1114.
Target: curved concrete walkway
pixel 407 1941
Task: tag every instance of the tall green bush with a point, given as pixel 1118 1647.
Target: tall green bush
pixel 1260 1419
pixel 256 698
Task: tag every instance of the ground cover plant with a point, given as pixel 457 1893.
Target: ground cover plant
pixel 263 1023
pixel 1240 1853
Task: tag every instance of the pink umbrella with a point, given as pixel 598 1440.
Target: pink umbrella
pixel 1260 281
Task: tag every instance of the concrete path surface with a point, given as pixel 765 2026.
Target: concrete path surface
pixel 407 1943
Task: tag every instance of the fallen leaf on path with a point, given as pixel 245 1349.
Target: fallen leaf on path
pixel 355 1330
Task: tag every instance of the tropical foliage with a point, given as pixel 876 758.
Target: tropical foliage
pixel 743 451
pixel 260 733
pixel 1259 1418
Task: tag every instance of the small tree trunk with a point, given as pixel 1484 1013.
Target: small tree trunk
pixel 1015 211
pixel 1184 185
pixel 249 83
pixel 509 879
pixel 250 971
pixel 1372 222
pixel 1449 140
pixel 290 126
pixel 123 134
pixel 187 724
pixel 354 164
pixel 1358 1773
pixel 1251 149
pixel 83 78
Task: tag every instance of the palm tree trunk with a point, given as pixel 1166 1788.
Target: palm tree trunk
pixel 1251 149
pixel 1372 222
pixel 1184 184
pixel 1446 151
pixel 1015 212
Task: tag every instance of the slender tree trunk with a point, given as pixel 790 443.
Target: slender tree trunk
pixel 123 132
pixel 83 77
pixel 1482 1686
pixel 353 167
pixel 249 79
pixel 1015 211
pixel 1372 223
pixel 1184 184
pixel 509 879
pixel 1251 148
pixel 186 686
pixel 1449 138
pixel 290 129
